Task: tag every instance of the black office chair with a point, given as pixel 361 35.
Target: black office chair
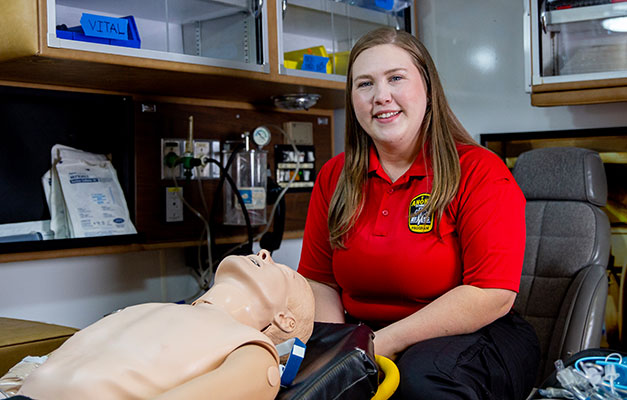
pixel 564 282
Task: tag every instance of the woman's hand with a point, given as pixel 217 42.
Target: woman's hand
pixel 383 346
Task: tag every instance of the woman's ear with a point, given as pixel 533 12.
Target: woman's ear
pixel 285 321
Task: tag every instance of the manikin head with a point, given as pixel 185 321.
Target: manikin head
pixel 265 295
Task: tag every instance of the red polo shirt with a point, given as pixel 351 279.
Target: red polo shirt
pixel 396 262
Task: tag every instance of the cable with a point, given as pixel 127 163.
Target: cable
pixel 207 227
pixel 285 189
pixel 223 176
pixel 199 215
pixel 276 202
pixel 240 200
pixel 206 277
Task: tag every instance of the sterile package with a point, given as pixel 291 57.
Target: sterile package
pixel 21 231
pixel 86 198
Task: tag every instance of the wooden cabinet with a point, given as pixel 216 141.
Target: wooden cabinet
pixel 27 56
pixel 332 28
pixel 577 52
pixel 180 55
pixel 219 77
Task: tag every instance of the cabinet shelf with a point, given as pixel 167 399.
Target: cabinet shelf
pixel 342 10
pixel 26 57
pixel 578 14
pixel 185 47
pixel 124 248
pixel 575 57
pixel 121 74
pixel 338 26
pixel 174 11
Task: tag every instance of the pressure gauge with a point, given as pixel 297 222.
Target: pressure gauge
pixel 261 136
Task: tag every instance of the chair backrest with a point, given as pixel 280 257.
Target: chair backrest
pixel 563 288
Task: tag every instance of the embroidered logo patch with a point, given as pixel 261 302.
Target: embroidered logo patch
pixel 418 222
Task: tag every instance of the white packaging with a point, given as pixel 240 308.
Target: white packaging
pixel 86 198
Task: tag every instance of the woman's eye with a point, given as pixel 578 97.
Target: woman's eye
pixel 364 84
pixel 396 78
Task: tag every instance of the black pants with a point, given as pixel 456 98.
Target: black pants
pixel 497 362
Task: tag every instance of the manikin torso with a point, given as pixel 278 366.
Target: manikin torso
pixel 140 352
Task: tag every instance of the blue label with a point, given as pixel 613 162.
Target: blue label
pixel 315 63
pixel 118 220
pixel 104 27
pixel 83 180
pixel 385 4
pixel 247 196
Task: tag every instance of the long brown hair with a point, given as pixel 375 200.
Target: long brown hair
pixel 440 129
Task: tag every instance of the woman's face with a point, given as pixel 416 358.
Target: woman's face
pixel 389 96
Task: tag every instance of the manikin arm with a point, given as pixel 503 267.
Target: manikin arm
pixel 329 306
pixel 249 372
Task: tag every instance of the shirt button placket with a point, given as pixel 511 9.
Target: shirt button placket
pixel 382 223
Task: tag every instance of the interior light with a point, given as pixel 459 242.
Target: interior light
pixel 484 58
pixel 618 24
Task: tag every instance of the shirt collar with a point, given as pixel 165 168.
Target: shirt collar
pixel 420 167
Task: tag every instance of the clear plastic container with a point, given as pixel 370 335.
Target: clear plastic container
pixel 248 171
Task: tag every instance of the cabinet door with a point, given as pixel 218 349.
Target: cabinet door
pixel 582 40
pixel 316 36
pixel 223 33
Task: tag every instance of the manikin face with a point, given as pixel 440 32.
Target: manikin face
pixel 259 275
pixel 254 289
pixel 389 96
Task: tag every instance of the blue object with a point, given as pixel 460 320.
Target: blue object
pixel 247 196
pixel 93 30
pixel 104 27
pixel 619 363
pixel 25 237
pixel 295 358
pixel 385 4
pixel 315 63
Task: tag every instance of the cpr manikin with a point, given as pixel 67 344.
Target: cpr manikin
pixel 220 347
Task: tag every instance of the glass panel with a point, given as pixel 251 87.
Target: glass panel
pixel 315 31
pixel 579 37
pixel 223 29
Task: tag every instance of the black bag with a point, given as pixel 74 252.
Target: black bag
pixel 339 363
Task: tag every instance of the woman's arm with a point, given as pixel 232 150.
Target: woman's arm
pixel 249 372
pixel 489 212
pixel 461 310
pixel 329 306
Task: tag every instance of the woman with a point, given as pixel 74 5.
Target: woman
pixel 420 233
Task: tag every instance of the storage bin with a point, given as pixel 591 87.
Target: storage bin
pixel 78 33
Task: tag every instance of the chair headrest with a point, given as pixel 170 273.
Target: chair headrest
pixel 562 173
